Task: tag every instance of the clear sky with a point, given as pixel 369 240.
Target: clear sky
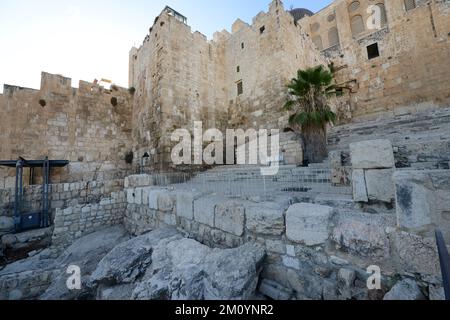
pixel 86 40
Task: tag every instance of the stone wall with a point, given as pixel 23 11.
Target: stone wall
pixel 89 126
pixel 178 80
pixel 74 222
pixel 314 251
pixel 423 201
pixel 410 72
pixel 61 195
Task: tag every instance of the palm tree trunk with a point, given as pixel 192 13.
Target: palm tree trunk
pixel 315 141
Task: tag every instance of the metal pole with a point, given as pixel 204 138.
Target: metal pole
pixel 444 258
pixel 16 199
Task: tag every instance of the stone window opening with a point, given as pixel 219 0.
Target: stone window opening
pixel 410 4
pixel 242 46
pixel 373 51
pixel 383 14
pixel 317 40
pixel 262 29
pixel 357 25
pixel 354 6
pixel 238 69
pixel 240 88
pixel 333 37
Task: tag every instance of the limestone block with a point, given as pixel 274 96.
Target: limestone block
pixel 204 210
pixel 185 205
pixel 165 201
pixel 380 185
pixel 416 254
pixel 276 246
pixel 415 200
pixel 136 181
pixel 230 217
pixel 291 262
pixel 153 198
pixel 6 225
pixel 265 219
pixel 374 154
pixel 308 223
pixel 363 234
pixel 138 196
pixel 130 196
pixel 359 186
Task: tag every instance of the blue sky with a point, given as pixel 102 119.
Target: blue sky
pixel 91 39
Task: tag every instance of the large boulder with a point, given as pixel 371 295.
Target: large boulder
pixel 374 154
pixel 185 269
pixel 406 289
pixel 85 253
pixel 163 265
pixel 308 223
pixel 129 260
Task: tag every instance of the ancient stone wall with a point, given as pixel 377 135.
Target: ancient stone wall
pixel 313 251
pixel 264 57
pixel 74 222
pixel 409 73
pixel 178 80
pixel 61 195
pixel 89 126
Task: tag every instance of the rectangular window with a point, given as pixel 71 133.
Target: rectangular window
pixel 238 69
pixel 373 51
pixel 240 88
pixel 242 45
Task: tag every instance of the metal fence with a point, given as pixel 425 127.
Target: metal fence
pixel 250 182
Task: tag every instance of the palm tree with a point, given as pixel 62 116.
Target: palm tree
pixel 308 102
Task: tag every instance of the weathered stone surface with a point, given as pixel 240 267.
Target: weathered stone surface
pixel 265 219
pixel 205 209
pixel 6 225
pixel 359 186
pixel 308 223
pixel 415 253
pixel 405 290
pixel 153 196
pixel 230 217
pixel 166 202
pixel 185 205
pixel 363 234
pixel 380 185
pixel 128 261
pixel 374 154
pixel 346 277
pixel 245 264
pixel 437 293
pixel 136 181
pixel 185 269
pixel 423 201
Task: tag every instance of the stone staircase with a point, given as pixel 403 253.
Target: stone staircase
pixel 421 140
pixel 311 183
